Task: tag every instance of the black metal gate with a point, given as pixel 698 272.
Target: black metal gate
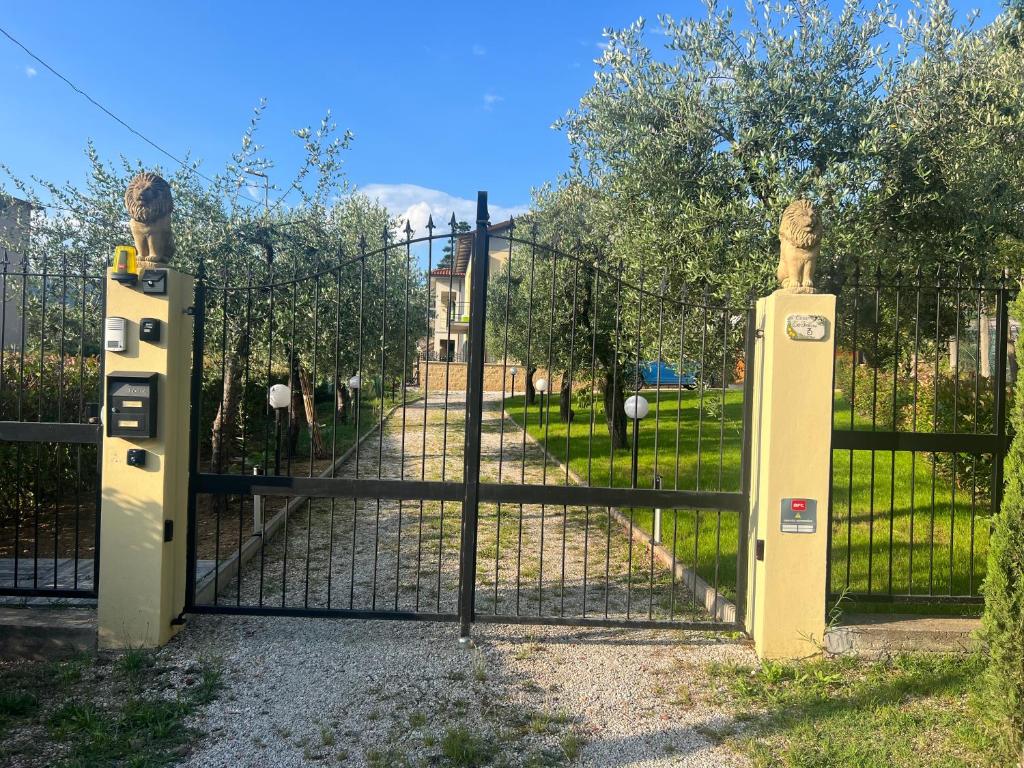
pixel 51 372
pixel 922 374
pixel 452 442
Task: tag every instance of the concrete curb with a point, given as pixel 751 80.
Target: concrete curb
pixel 714 603
pixel 45 634
pixel 884 634
pixel 208 585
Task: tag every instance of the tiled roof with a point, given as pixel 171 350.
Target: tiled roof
pixel 446 272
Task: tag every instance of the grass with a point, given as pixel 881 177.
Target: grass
pixel 464 748
pixel 89 712
pixel 911 711
pixel 939 533
pixel 337 435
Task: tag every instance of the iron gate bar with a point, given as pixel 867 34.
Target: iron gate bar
pixel 921 442
pixel 50 432
pixel 580 496
pixel 587 621
pixel 436 490
pixel 480 261
pixel 321 613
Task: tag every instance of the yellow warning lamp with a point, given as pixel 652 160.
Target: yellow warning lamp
pixel 123 267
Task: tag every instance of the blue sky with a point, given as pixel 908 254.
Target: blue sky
pixel 443 99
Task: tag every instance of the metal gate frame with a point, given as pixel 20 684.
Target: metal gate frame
pixel 470 491
pixel 21 430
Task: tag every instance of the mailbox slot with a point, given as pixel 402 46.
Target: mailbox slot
pixel 131 404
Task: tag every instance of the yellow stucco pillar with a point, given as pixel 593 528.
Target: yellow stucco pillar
pixel 143 517
pixel 792 420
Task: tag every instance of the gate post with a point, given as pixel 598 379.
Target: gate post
pixel 478 268
pixel 790 474
pixel 143 507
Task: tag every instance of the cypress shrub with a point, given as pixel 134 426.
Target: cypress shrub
pixel 1003 622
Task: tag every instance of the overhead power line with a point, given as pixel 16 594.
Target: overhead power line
pixel 186 166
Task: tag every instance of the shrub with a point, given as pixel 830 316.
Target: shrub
pixel 1003 621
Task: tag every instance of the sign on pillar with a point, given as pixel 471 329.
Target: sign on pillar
pixel 143 519
pixel 792 428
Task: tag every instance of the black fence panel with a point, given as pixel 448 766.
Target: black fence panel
pixel 923 376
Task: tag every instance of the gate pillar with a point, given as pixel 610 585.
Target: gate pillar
pixel 143 519
pixel 790 474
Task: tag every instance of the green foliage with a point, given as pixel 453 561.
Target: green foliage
pixel 684 158
pixel 1003 620
pixel 47 389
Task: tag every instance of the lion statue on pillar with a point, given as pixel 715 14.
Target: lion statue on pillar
pixel 149 203
pixel 799 244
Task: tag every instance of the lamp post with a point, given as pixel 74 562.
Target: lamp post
pixel 513 370
pixel 542 387
pixel 279 397
pixel 636 408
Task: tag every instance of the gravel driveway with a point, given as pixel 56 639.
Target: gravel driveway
pixel 347 692
pixel 362 693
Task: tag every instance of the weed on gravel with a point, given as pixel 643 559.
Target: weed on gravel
pixel 102 710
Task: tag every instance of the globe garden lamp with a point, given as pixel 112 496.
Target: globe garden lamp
pixel 542 387
pixel 279 396
pixel 636 408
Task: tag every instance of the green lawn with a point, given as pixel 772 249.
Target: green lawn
pixel 711 421
pixel 910 711
pixel 336 443
pixel 861 541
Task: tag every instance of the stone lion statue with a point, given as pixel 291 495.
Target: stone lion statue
pixel 149 203
pixel 799 243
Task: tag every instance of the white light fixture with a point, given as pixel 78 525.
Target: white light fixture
pixel 636 407
pixel 279 396
pixel 354 382
pixel 542 385
pixel 513 370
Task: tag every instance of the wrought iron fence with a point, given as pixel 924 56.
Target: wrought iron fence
pixel 50 387
pixel 922 371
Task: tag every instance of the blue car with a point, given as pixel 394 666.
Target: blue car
pixel 660 374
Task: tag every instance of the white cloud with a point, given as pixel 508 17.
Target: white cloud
pixel 490 99
pixel 479 50
pixel 30 72
pixel 413 203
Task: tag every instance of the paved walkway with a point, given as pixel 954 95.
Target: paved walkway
pixel 381 693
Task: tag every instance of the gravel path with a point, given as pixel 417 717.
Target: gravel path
pixel 533 560
pixel 382 693
pixel 361 693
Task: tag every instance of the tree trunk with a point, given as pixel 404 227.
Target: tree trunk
pixel 225 423
pixel 296 410
pixel 316 441
pixel 531 393
pixel 565 411
pixel 614 412
pixel 343 402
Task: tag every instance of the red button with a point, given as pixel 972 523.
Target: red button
pixel 799 505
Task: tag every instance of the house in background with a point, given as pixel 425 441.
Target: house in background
pixel 15 230
pixel 447 343
pixel 449 295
